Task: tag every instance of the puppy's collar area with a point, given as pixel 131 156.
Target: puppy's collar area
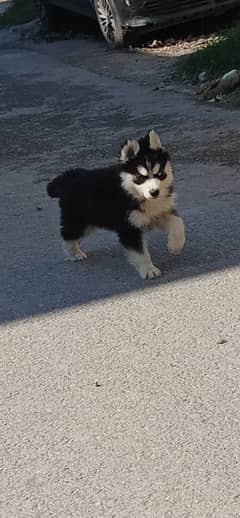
pixel 149 201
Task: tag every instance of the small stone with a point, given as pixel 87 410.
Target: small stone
pixel 98 384
pixel 202 77
pixel 222 341
pixel 229 81
pixel 154 44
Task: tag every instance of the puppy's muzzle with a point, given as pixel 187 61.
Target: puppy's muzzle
pixel 154 193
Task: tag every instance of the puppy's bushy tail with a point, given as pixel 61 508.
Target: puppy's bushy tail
pixel 55 188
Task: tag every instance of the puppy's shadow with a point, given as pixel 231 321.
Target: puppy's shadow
pixel 48 283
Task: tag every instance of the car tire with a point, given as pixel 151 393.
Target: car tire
pixel 50 15
pixel 109 22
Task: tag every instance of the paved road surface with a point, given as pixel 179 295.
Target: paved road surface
pixel 120 397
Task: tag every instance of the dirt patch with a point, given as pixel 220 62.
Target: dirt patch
pixel 178 47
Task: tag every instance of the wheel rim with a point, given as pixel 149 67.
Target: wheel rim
pixel 106 20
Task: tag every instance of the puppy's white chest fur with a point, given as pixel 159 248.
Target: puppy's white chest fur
pixel 150 212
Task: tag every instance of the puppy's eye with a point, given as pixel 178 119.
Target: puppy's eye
pixel 162 175
pixel 139 178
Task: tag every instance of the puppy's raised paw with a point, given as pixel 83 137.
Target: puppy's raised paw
pixel 176 237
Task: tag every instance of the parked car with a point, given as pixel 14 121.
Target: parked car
pixel 120 18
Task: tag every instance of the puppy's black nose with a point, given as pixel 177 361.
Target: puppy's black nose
pixel 154 193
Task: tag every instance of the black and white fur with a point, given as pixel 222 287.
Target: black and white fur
pixel 128 198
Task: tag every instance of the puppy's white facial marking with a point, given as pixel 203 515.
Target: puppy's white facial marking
pixel 73 251
pixel 142 170
pixel 156 168
pixel 129 185
pixel 142 191
pixel 129 150
pixel 150 185
pixel 154 140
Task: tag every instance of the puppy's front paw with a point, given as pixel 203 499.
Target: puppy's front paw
pixel 73 252
pixel 80 256
pixel 149 272
pixel 176 237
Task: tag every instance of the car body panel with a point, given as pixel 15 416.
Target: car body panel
pixel 152 13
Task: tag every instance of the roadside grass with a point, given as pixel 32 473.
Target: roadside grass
pixel 219 57
pixel 20 11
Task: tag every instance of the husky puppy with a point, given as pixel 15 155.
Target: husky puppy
pixel 129 198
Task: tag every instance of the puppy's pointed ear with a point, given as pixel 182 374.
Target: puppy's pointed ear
pixel 129 150
pixel 154 140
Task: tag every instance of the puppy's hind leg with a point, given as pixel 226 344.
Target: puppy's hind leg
pixel 71 235
pixel 138 254
pixel 73 228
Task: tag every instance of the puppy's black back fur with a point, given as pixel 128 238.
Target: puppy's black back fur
pixel 91 198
